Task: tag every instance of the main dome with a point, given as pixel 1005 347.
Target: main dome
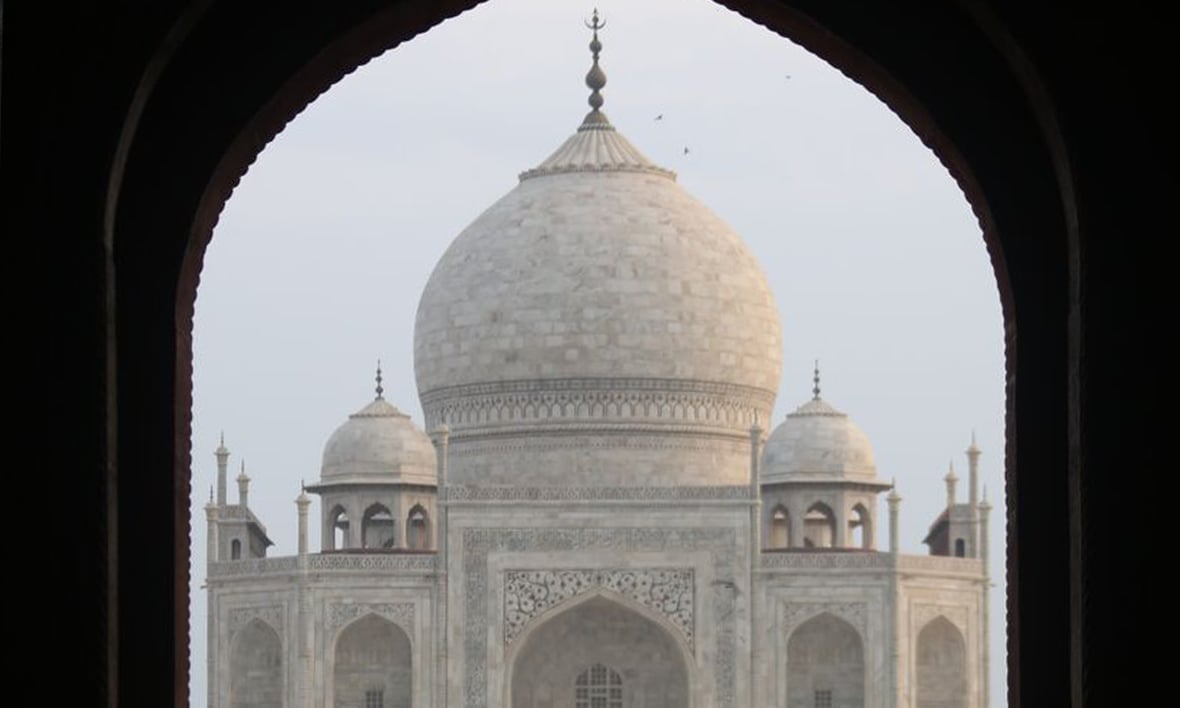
pixel 598 299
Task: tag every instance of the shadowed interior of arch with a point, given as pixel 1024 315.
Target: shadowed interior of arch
pixel 572 658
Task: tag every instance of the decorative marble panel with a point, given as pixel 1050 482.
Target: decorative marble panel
pixel 528 593
pixel 477 543
pixel 854 613
pixel 272 615
pixel 341 613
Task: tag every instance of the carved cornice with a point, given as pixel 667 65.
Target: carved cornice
pixel 253 566
pixel 619 401
pixel 342 613
pixel 819 559
pixel 528 593
pixel 371 561
pixel 952 564
pixel 462 493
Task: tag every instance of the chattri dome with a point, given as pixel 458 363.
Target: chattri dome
pixel 378 444
pixel 817 443
pixel 598 306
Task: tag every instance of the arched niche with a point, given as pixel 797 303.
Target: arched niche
pixel 256 667
pixel 372 666
pixel 941 666
pixel 378 529
pixel 860 527
pixel 780 528
pixel 819 526
pixel 418 529
pixel 825 664
pixel 599 631
pixel 337 529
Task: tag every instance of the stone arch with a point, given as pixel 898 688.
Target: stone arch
pixel 779 532
pixel 235 549
pixel 372 654
pixel 960 548
pixel 378 529
pixel 256 667
pixel 860 527
pixel 418 528
pixel 825 664
pixel 337 530
pixel 599 627
pixel 819 526
pixel 940 665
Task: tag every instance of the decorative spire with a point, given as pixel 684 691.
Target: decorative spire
pixel 595 79
pixel 815 380
pixel 380 390
pixel 950 475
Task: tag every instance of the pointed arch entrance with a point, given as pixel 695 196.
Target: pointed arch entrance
pixel 941 666
pixel 372 666
pixel 599 648
pixel 256 667
pixel 825 664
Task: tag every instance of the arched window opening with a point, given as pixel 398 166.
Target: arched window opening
pixel 373 666
pixel 418 529
pixel 339 529
pixel 860 528
pixel 825 664
pixel 235 550
pixel 598 687
pixel 960 548
pixel 780 528
pixel 942 666
pixel 377 528
pixel 819 526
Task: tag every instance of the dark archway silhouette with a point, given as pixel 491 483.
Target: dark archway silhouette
pixel 125 127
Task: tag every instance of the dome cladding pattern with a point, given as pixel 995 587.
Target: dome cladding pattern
pixel 817 443
pixel 379 444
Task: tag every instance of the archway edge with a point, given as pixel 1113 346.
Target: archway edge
pixel 223 87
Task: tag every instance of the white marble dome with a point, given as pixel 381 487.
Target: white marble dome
pixel 379 444
pixel 597 325
pixel 817 443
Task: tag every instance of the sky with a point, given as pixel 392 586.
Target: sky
pixel 877 264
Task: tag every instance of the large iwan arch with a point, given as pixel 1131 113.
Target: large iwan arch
pixel 941 666
pixel 563 654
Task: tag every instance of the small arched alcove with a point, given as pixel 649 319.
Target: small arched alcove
pixel 825 664
pixel 819 526
pixel 418 529
pixel 373 666
pixel 378 529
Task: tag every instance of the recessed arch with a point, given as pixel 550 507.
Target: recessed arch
pixel 825 663
pixel 418 530
pixel 372 656
pixel 256 667
pixel 338 529
pixel 941 665
pixel 779 535
pixel 378 528
pixel 819 526
pixel 610 630
pixel 860 527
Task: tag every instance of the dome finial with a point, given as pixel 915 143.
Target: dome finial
pixel 380 390
pixel 815 380
pixel 595 78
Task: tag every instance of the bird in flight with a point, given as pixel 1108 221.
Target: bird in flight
pixel 686 151
pixel 660 117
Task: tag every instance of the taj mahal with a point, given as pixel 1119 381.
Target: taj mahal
pixel 598 511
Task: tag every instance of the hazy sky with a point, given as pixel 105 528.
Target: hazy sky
pixel 872 252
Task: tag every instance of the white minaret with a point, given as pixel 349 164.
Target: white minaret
pixel 894 500
pixel 222 462
pixel 951 481
pixel 302 502
pixel 243 485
